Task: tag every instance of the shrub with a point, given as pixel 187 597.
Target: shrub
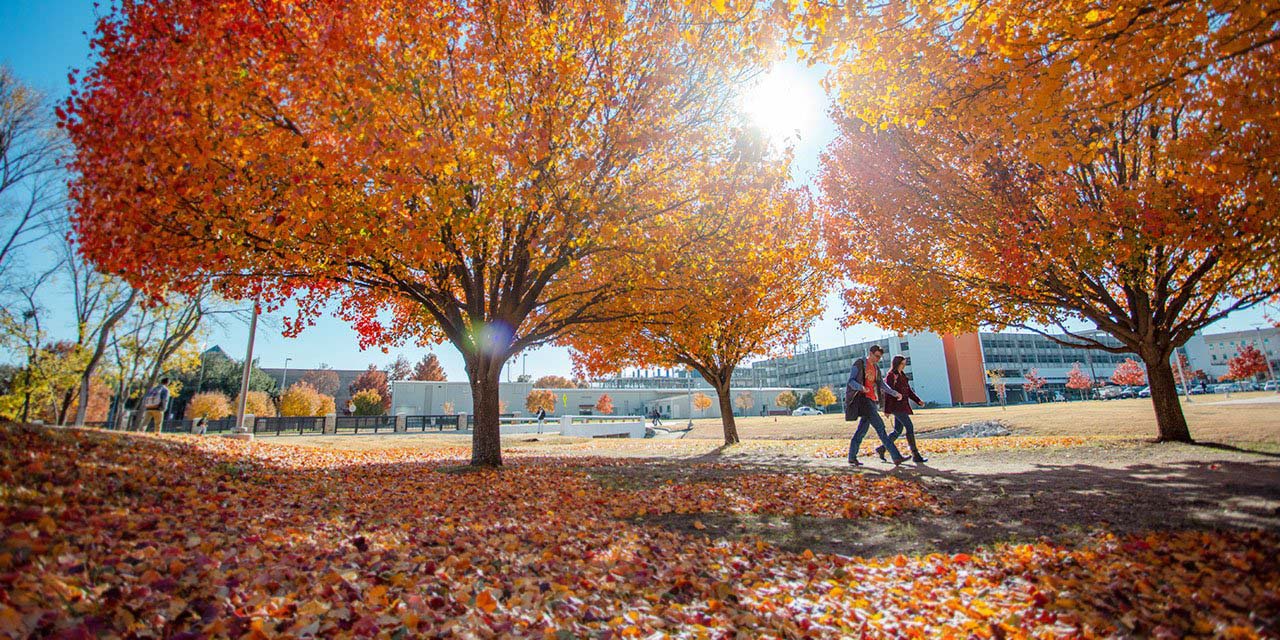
pixel 368 403
pixel 259 404
pixel 211 405
pixel 301 399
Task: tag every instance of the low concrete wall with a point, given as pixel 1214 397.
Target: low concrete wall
pixel 602 426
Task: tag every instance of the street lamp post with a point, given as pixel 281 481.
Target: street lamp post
pixel 284 377
pixel 1266 356
pixel 1182 375
pixel 688 387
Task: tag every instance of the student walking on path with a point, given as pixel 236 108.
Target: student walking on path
pixel 900 408
pixel 861 395
pixel 156 403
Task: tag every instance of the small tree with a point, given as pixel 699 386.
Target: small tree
pixel 428 369
pixel 744 401
pixel 806 400
pixel 325 405
pixel 604 405
pixel 1079 380
pixel 399 369
pixel 368 403
pixel 996 377
pixel 301 399
pixel 324 380
pixel 1034 382
pixel 373 380
pixel 259 404
pixel 540 399
pixel 210 405
pixel 824 397
pixel 1130 374
pixel 785 399
pixel 554 382
pixel 1247 364
pixel 701 402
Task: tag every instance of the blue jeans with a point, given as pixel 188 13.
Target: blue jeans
pixel 868 416
pixel 902 421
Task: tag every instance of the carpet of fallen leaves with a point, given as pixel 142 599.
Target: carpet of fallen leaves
pixel 812 448
pixel 110 535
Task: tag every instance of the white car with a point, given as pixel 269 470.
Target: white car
pixel 806 411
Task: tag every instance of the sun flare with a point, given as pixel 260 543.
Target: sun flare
pixel 784 104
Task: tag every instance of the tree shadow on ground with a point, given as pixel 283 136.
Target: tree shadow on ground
pixel 1063 503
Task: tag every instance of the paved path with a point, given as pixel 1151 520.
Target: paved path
pixel 1271 399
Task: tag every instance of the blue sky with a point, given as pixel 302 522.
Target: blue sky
pixel 42 40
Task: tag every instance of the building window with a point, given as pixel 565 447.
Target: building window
pixel 903 346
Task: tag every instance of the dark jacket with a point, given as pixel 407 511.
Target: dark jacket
pixel 856 387
pixel 899 383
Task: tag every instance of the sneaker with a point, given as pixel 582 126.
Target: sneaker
pixel 919 459
pixel 880 452
pixel 853 462
pixel 899 461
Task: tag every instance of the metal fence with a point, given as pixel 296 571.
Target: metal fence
pixel 431 423
pixel 221 425
pixel 292 424
pixel 176 426
pixel 356 424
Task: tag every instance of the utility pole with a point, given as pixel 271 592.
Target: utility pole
pixel 240 431
pixel 1266 356
pixel 284 378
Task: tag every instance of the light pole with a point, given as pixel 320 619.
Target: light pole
pixel 240 431
pixel 688 387
pixel 1266 355
pixel 284 377
pixel 200 378
pixel 1182 375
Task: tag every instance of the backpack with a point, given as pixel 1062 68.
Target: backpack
pixel 154 398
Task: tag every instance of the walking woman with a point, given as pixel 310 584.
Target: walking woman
pixel 900 408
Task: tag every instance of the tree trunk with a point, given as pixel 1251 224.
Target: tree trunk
pixel 1170 422
pixel 726 414
pixel 486 436
pixel 100 348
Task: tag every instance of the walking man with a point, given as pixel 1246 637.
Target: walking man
pixel 156 403
pixel 861 395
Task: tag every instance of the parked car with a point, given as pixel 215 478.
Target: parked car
pixel 1109 393
pixel 1271 385
pixel 1197 390
pixel 1145 392
pixel 806 411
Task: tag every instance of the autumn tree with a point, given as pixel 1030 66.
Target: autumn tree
pixel 302 399
pixel 701 402
pixel 1079 380
pixel 786 400
pixel 749 288
pixel 604 405
pixel 554 382
pixel 1247 364
pixel 368 403
pixel 824 397
pixel 373 380
pixel 399 369
pixel 540 399
pixel 324 380
pixel 428 369
pixel 995 377
pixel 212 405
pixel 1129 373
pixel 1047 165
pixel 470 172
pixel 258 404
pixel 744 401
pixel 31 193
pixel 1033 381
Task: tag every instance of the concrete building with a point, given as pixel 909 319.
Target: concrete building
pixel 413 397
pixel 345 378
pixel 1211 352
pixel 927 366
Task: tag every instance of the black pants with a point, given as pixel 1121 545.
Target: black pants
pixel 901 422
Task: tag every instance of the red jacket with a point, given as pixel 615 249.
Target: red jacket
pixel 898 382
